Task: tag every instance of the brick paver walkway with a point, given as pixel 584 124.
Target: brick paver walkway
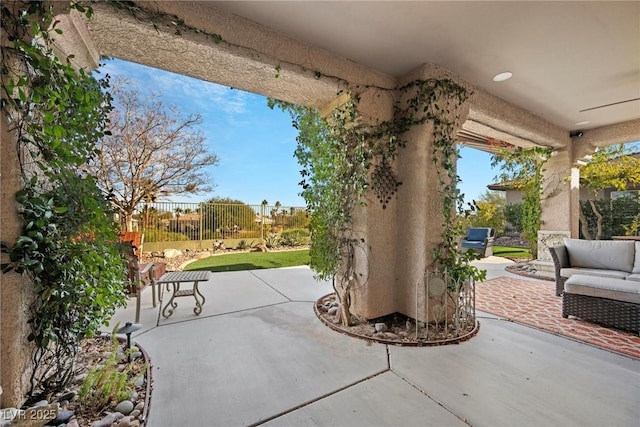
pixel 535 304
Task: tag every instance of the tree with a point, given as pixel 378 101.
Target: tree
pixel 490 211
pixel 228 216
pixel 151 148
pixel 611 167
pixel 274 212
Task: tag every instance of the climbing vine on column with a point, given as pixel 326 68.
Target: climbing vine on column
pixel 524 171
pixel 68 247
pixel 342 158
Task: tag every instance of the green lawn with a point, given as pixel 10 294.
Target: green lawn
pixel 509 252
pixel 251 261
pixel 261 260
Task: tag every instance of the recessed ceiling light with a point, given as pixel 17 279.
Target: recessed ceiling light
pixel 502 76
pixel 586 122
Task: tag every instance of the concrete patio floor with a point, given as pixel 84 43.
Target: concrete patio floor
pixel 258 355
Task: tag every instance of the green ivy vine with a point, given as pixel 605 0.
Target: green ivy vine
pixel 523 170
pixel 158 19
pixel 337 156
pixel 69 247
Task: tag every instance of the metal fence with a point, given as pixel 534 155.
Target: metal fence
pixel 197 225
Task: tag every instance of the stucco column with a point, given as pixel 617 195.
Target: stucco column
pixel 15 292
pixel 420 221
pixel 403 235
pixel 560 202
pixel 375 222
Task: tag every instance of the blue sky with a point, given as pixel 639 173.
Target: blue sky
pixel 255 144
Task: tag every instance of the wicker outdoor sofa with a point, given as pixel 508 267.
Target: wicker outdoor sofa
pixel 599 281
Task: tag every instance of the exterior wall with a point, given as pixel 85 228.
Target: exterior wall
pixel 15 292
pixel 513 196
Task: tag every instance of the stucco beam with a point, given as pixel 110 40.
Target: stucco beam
pixel 513 122
pixel 493 117
pixel 481 129
pixel 75 42
pixel 250 57
pixel 326 110
pixel 117 33
pixel 620 133
pixel 240 31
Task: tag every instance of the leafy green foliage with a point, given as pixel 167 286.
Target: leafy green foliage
pixel 440 101
pixel 619 217
pixel 106 385
pixel 524 170
pixel 69 246
pixel 227 216
pixel 243 244
pixel 338 154
pixel 324 182
pixel 611 167
pixel 489 211
pixel 294 237
pixel 513 216
pixel 272 240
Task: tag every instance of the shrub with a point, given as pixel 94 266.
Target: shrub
pixel 513 215
pixel 243 244
pixel 294 237
pixel 618 215
pixel 106 384
pixel 272 240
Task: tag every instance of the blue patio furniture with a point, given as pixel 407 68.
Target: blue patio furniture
pixel 480 239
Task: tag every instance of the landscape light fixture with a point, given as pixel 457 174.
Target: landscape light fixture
pixel 128 329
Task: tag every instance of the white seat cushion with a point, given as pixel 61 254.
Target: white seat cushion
pixel 633 277
pixel 602 287
pixel 613 274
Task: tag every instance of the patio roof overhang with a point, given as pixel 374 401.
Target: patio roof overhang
pixel 573 62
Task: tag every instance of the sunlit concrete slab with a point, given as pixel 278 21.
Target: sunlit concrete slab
pixel 244 367
pixel 224 293
pixel 495 267
pixel 148 313
pixel 297 284
pixel 384 400
pixel 261 356
pixel 513 375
